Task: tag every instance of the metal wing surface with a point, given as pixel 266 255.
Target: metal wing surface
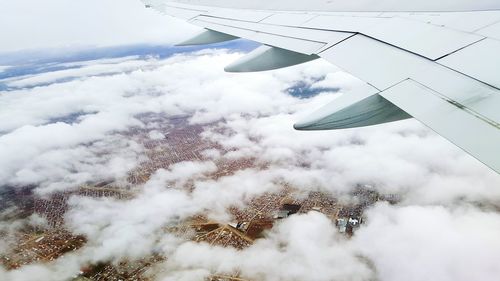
pixel 436 61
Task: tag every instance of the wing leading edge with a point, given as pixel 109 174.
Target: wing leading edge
pixel 435 61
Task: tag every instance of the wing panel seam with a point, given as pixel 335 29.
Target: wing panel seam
pixel 252 30
pixel 450 101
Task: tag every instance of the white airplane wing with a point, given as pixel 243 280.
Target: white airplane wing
pixel 436 61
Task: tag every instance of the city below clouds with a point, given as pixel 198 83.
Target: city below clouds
pixel 82 126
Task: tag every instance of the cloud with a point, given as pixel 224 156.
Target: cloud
pixel 118 229
pixel 156 135
pixel 396 243
pixel 10 227
pixel 304 247
pixel 94 109
pixel 431 243
pixel 64 268
pixel 83 70
pixel 63 133
pixel 61 156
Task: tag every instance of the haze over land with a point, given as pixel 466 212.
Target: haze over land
pixel 125 156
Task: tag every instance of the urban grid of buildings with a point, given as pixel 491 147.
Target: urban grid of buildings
pixel 179 141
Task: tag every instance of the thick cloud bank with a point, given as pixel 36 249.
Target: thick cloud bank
pixel 450 244
pixel 62 129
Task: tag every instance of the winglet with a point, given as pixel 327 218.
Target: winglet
pixel 268 58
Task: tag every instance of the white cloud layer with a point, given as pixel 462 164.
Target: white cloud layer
pixel 304 247
pixel 432 243
pixel 397 243
pixel 438 226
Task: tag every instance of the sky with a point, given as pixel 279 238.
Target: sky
pixel 56 24
pixel 65 125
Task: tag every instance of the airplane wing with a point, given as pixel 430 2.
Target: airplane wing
pixel 436 61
